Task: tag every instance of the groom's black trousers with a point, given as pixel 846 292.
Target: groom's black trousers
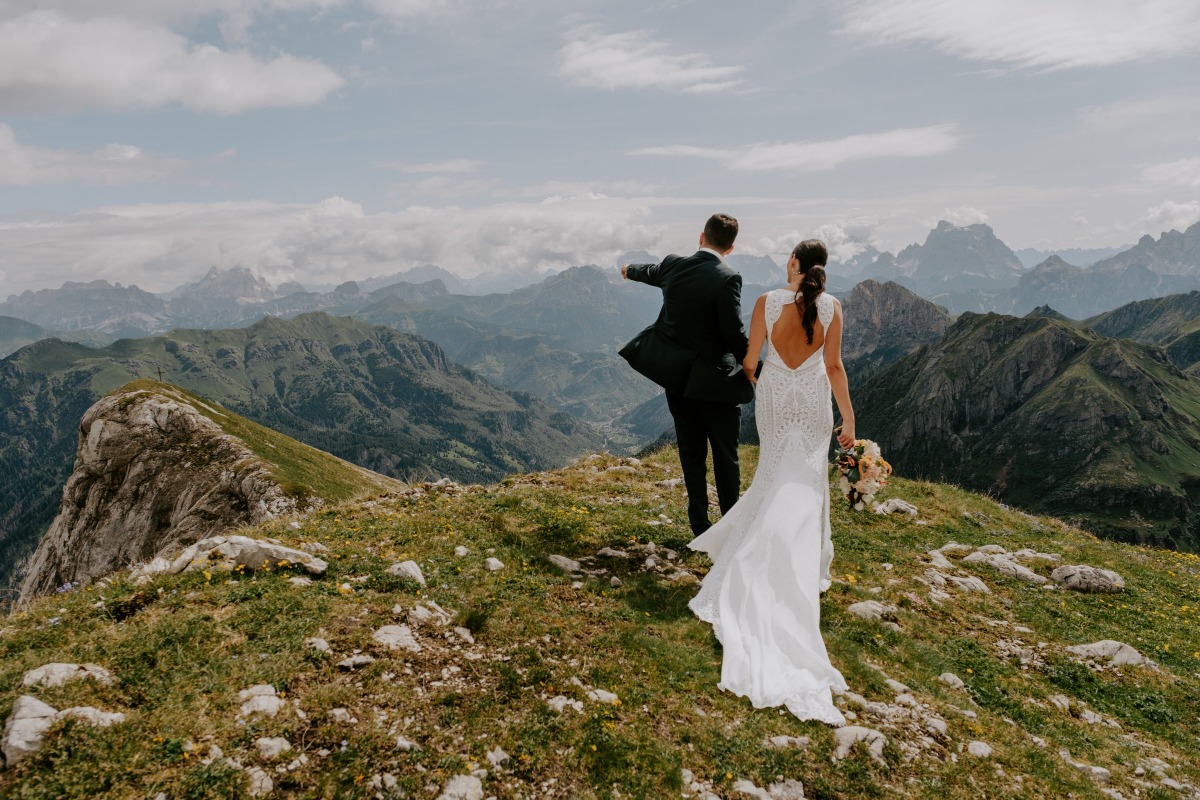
pixel 699 424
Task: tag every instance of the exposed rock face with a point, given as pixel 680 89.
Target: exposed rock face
pixel 886 321
pixel 151 474
pixel 953 258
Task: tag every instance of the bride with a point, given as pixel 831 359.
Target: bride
pixel 771 553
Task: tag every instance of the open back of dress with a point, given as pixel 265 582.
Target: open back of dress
pixel 772 552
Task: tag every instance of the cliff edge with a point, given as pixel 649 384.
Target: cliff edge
pixel 158 469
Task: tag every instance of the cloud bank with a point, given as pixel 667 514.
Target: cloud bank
pixel 112 165
pixel 159 246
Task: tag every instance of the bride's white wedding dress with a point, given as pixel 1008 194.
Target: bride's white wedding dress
pixel 771 553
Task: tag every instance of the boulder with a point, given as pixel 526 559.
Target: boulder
pixel 1116 653
pixel 871 610
pixel 850 735
pixel 565 564
pixel 230 552
pixel 494 564
pixel 462 787
pixel 951 680
pixel 356 662
pixel 25 728
pixel 397 637
pixel 979 749
pixel 407 569
pixel 270 747
pixel 938 560
pixel 1082 578
pixel 50 675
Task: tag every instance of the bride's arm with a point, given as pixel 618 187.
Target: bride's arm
pixel 758 335
pixel 837 376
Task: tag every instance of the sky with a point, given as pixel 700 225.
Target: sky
pixel 145 141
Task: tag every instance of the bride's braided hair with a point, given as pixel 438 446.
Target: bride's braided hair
pixel 812 257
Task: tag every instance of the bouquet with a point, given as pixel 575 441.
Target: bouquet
pixel 862 472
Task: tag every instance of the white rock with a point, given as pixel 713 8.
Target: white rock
pixel 25 728
pixel 938 560
pixel 397 637
pixel 406 745
pixel 871 610
pixel 1082 578
pixel 894 505
pixel 786 790
pixel 260 699
pixel 429 612
pixel 601 696
pixel 229 552
pixel 407 569
pixel 850 735
pixel 98 718
pixel 992 548
pixel 155 566
pixel 1033 555
pixel 615 582
pixel 1116 653
pixel 300 581
pixel 260 782
pixel 1007 565
pixel 1098 774
pixel 951 680
pixel 562 703
pixel 979 749
pixel 356 661
pixel 342 716
pixel 494 564
pixel 462 787
pixel 971 584
pixel 784 742
pixel 565 564
pixel 937 725
pixel 748 789
pixel 896 686
pixel 317 643
pixel 497 757
pixel 56 674
pixel 461 551
pixel 270 747
pixel 465 634
pixel 1061 702
pixel 954 549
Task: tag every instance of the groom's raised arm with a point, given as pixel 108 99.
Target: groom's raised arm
pixel 645 273
pixel 729 317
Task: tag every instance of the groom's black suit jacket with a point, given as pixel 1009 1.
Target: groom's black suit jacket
pixel 702 305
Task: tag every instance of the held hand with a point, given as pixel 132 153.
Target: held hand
pixel 749 371
pixel 846 437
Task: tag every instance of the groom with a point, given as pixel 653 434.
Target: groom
pixel 702 312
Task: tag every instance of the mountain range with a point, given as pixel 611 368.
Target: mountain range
pixel 1049 416
pixel 389 401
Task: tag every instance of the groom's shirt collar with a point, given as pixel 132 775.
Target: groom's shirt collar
pixel 714 252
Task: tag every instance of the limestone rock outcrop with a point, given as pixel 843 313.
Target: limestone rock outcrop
pixel 152 474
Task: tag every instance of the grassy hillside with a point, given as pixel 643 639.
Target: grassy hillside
pixel 301 470
pixel 1171 322
pixel 182 647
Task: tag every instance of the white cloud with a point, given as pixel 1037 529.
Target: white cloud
pixel 558 190
pixel 961 216
pixel 845 239
pixel 113 165
pixel 454 165
pixel 1170 215
pixel 52 62
pixel 821 155
pixel 159 246
pixel 635 60
pixel 1078 218
pixel 1185 171
pixel 1034 33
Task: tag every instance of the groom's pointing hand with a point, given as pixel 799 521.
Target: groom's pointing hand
pixel 625 271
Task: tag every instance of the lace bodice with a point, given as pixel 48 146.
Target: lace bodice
pixel 777 299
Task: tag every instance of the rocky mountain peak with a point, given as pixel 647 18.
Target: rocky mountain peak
pixel 887 320
pixel 158 469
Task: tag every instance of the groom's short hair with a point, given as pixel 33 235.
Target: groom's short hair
pixel 720 231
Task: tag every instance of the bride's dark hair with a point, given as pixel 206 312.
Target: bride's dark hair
pixel 812 257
